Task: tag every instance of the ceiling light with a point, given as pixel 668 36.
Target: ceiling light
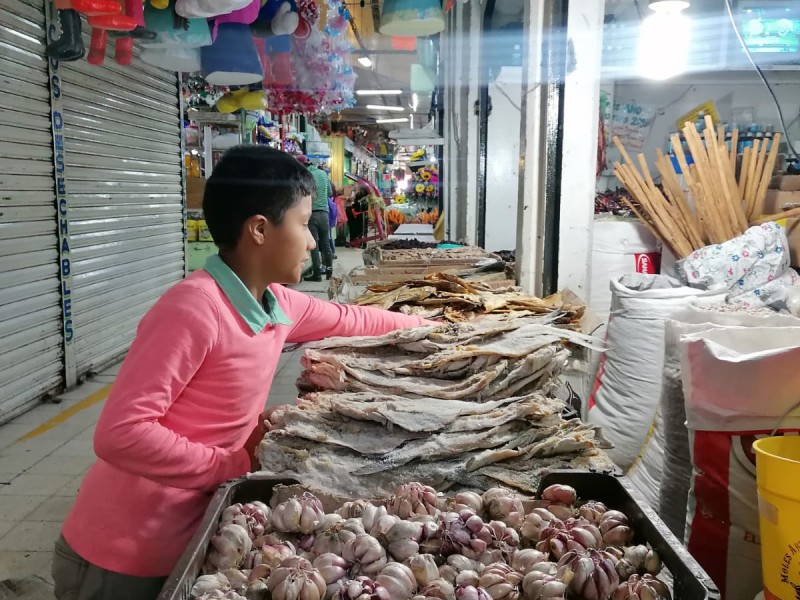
pixel 389 108
pixel 401 120
pixel 365 61
pixel 378 92
pixel 668 28
pixel 414 101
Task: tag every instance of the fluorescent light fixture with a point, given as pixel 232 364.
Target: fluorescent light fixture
pixel 389 108
pixel 378 92
pixel 664 40
pixel 365 61
pixel 400 120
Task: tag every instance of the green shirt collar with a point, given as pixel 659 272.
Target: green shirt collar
pixel 249 308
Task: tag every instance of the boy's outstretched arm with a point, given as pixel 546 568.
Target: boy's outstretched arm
pixel 172 341
pixel 316 319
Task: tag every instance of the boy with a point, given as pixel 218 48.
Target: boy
pixel 183 416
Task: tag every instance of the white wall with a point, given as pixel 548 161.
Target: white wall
pixel 502 164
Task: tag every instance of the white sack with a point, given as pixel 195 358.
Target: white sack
pixel 738 383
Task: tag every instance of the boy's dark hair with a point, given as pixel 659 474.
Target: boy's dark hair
pixel 252 180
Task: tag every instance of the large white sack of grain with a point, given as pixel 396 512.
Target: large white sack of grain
pixel 628 382
pixel 739 384
pixel 675 477
pixel 619 247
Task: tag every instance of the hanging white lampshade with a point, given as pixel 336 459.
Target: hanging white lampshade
pixel 411 18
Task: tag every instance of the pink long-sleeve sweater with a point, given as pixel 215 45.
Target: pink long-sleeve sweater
pixel 186 398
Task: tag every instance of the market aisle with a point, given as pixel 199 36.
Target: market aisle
pixel 45 453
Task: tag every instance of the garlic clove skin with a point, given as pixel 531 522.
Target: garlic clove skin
pixel 424 568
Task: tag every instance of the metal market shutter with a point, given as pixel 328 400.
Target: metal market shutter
pixel 30 301
pixel 123 154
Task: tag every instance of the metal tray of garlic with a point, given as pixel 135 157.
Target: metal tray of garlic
pixel 585 535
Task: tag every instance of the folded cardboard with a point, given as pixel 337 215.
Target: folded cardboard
pixel 195 188
pixel 778 200
pixel 787 183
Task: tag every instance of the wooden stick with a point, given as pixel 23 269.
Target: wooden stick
pixel 676 194
pixel 787 214
pixel 720 131
pixel 706 220
pixel 743 178
pixel 766 176
pixel 719 171
pixel 711 195
pixel 754 176
pixel 734 149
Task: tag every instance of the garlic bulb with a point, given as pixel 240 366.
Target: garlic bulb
pixel 354 525
pixel 272 552
pixel 467 578
pixel 332 539
pixel 470 592
pixel 296 579
pixel 413 499
pixel 301 514
pixel 504 505
pixel 398 580
pixel 645 587
pixel 543 586
pixel 469 501
pixel 501 581
pixel 573 534
pixel 465 533
pixel 257 590
pixel 590 574
pixel 615 528
pixel 208 583
pixel 350 510
pixel 363 588
pixel 535 522
pixel 384 525
pixel 592 511
pixel 229 548
pixel 237 579
pixel 560 494
pixel 371 515
pixel 439 588
pixel 403 540
pixel 632 561
pixel 424 568
pixel 365 555
pixel 333 568
pixel 504 538
pixel 523 561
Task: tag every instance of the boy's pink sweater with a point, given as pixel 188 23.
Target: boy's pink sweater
pixel 187 397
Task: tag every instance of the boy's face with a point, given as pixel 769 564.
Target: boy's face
pixel 283 249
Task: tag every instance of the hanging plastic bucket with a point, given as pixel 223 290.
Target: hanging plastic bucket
pixel 778 480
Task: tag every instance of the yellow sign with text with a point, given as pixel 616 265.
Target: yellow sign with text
pixel 707 108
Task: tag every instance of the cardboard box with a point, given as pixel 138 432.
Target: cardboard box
pixel 779 200
pixel 792 227
pixel 787 183
pixel 195 188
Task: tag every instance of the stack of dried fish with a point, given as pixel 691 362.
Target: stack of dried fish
pixel 445 296
pixel 459 404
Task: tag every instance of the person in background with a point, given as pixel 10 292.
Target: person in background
pixel 357 214
pixel 186 410
pixel 333 216
pixel 318 225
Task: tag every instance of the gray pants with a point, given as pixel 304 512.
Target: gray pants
pixel 318 224
pixel 78 579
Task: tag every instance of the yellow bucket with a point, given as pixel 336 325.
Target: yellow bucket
pixel 778 480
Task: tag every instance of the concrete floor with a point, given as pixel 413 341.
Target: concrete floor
pixel 45 453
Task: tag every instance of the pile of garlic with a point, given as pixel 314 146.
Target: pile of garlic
pixel 419 545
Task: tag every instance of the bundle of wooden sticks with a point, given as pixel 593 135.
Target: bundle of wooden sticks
pixel 719 206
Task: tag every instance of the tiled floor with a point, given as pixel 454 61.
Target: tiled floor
pixel 45 453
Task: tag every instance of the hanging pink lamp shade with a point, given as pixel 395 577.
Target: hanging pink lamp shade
pixel 412 18
pixel 90 8
pixel 101 25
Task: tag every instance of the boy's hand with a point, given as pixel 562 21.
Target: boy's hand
pixel 254 439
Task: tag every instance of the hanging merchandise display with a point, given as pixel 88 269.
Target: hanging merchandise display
pixel 31 327
pixel 412 18
pixel 197 92
pixel 233 58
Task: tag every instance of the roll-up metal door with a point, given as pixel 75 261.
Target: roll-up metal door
pixel 31 341
pixel 124 175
